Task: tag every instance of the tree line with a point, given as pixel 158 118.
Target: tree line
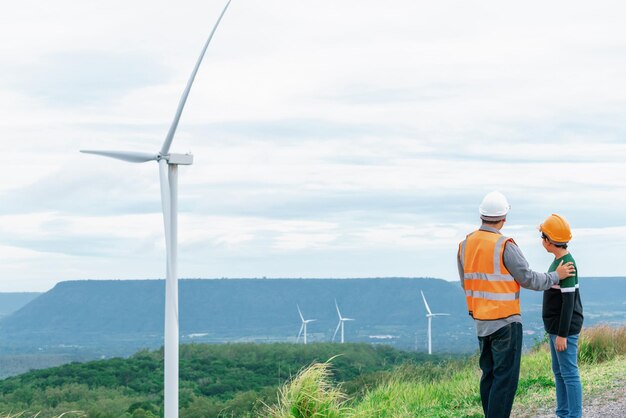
pixel 226 379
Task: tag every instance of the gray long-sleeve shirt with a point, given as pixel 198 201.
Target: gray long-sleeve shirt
pixel 517 265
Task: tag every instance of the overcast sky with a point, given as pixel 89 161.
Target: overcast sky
pixel 331 138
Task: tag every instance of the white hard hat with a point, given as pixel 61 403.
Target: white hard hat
pixel 494 207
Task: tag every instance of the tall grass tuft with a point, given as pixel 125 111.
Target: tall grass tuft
pixel 601 343
pixel 310 394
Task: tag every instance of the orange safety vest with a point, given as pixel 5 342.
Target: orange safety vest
pixel 490 290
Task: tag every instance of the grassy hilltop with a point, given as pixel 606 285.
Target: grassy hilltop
pixel 287 380
pixel 450 388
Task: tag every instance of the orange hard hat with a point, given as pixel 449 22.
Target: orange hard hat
pixel 556 229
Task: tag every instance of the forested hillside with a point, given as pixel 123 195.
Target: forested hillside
pixel 232 378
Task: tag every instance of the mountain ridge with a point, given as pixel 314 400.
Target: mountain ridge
pixel 118 317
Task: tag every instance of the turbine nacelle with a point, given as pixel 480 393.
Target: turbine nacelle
pixel 179 159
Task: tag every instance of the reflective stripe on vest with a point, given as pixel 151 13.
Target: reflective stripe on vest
pixel 490 290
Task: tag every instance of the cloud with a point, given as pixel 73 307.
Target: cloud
pixel 84 77
pixel 330 139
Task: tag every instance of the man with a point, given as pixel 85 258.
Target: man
pixel 492 268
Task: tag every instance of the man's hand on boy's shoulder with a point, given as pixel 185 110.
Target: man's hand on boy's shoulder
pixel 566 270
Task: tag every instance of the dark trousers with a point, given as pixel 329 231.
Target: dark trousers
pixel 500 355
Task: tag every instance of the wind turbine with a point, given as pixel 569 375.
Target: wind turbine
pixel 168 173
pixel 430 315
pixel 340 324
pixel 304 323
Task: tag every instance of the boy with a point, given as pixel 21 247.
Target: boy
pixel 563 319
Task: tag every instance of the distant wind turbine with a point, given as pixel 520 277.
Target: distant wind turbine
pixel 430 315
pixel 340 324
pixel 304 324
pixel 168 172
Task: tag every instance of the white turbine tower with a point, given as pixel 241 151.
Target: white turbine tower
pixel 168 171
pixel 430 315
pixel 340 324
pixel 304 324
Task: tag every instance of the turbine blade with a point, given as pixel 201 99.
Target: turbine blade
pixel 165 149
pixel 440 314
pixel 336 330
pixel 165 200
pixel 129 156
pixel 426 303
pixel 338 313
pixel 300 333
pixel 300 312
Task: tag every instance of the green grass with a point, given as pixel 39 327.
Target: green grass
pixel 437 391
pixel 450 388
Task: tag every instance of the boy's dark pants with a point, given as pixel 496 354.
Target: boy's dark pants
pixel 500 355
